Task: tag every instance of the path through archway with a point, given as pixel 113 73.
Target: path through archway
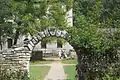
pixel 54 32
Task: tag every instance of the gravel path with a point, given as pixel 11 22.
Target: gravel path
pixel 56 72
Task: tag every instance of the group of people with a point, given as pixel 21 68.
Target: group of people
pixel 62 54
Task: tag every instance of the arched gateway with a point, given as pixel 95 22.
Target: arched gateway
pixel 19 57
pixel 30 44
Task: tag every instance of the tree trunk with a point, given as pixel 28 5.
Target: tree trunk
pixel 79 67
pixel 0 44
pixel 16 36
pixel 0 40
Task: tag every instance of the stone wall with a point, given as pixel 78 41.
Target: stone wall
pixel 18 58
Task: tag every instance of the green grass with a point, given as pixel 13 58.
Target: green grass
pixel 70 71
pixel 38 72
pixel 74 61
pixel 40 62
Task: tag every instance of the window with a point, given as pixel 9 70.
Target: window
pixel 9 40
pixel 43 44
pixel 59 44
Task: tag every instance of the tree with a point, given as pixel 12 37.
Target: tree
pixel 22 17
pixel 110 13
pixel 32 15
pixel 4 13
pixel 96 52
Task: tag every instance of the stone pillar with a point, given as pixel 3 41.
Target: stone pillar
pixel 18 58
pixel 23 59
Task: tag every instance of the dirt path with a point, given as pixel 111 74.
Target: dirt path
pixel 56 72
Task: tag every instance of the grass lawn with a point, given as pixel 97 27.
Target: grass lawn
pixel 70 71
pixel 41 62
pixel 70 61
pixel 38 72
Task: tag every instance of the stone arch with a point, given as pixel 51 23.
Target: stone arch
pixel 19 57
pixel 30 44
pixel 54 32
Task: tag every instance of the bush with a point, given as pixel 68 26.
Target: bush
pixel 101 66
pixel 9 73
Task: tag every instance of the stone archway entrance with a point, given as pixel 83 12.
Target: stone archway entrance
pixel 19 57
pixel 30 44
pixel 54 32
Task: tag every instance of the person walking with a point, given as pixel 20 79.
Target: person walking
pixel 59 53
pixel 63 54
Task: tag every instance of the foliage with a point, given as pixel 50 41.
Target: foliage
pixel 110 13
pixel 93 38
pixel 30 16
pixel 4 9
pixel 9 73
pixel 51 39
pixel 4 12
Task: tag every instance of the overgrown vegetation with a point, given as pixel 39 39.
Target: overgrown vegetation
pixel 10 73
pixel 93 38
pixel 23 17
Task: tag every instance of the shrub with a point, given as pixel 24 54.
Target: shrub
pixel 9 73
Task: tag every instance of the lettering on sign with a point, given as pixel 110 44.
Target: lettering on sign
pixel 46 32
pixel 52 31
pixel 41 34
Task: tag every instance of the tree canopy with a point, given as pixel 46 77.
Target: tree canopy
pixel 30 16
pixel 95 37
